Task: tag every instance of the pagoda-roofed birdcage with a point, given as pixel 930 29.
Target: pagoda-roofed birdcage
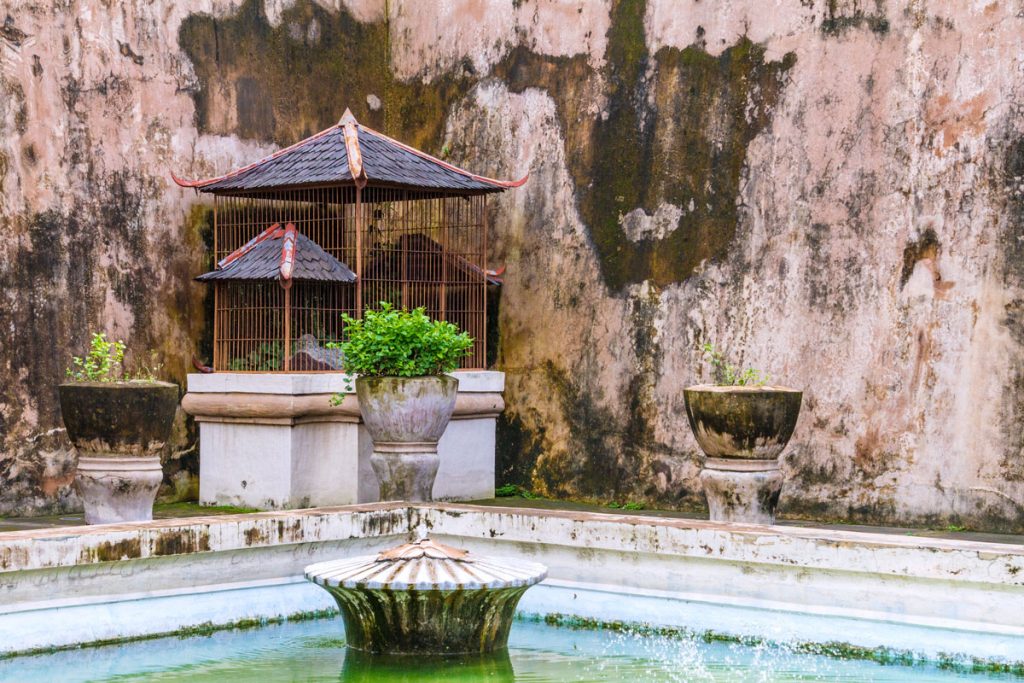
pixel 413 229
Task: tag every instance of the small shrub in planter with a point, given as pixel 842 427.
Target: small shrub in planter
pixel 400 359
pixel 742 424
pixel 118 422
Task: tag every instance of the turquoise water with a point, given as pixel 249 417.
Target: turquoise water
pixel 538 653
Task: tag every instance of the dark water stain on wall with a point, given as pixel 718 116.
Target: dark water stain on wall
pixel 845 15
pixel 517 450
pixel 1009 182
pixel 281 84
pixel 677 133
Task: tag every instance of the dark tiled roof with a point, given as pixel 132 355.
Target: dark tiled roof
pixel 323 159
pixel 263 262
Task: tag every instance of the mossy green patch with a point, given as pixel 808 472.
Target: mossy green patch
pixel 283 83
pixel 837 650
pixel 188 509
pixel 196 631
pixel 844 15
pixel 674 129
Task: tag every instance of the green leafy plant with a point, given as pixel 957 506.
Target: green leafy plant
pixel 630 505
pixel 729 375
pixel 394 342
pixel 105 363
pixel 513 490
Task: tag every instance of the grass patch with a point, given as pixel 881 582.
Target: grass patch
pixel 514 491
pixel 630 505
pixel 185 509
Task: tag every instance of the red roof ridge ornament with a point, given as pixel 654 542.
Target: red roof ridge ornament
pixel 288 253
pixel 247 247
pixel 350 128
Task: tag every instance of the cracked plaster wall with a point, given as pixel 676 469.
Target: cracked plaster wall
pixel 830 190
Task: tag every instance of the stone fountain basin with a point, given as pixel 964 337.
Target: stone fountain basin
pixel 426 598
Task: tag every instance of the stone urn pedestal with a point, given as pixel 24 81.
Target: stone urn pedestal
pixel 742 431
pixel 406 417
pixel 118 429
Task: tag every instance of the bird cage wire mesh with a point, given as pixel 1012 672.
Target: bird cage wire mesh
pixel 408 247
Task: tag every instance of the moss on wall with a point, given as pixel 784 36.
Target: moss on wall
pixel 675 129
pixel 1009 183
pixel 281 84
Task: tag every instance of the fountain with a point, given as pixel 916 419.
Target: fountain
pixel 426 598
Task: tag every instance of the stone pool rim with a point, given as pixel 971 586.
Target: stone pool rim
pixel 608 567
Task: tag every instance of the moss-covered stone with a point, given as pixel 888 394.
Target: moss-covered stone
pixel 122 418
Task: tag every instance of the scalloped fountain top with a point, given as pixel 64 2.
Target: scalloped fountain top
pixel 426 565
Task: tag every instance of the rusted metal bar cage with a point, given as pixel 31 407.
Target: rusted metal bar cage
pixel 412 229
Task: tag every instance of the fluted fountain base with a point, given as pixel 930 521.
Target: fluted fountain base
pixel 427 622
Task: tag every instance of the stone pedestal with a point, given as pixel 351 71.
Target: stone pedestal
pixel 406 417
pixel 742 490
pixel 273 441
pixel 116 489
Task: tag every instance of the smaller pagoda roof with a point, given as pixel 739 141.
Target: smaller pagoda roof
pixel 280 253
pixel 349 153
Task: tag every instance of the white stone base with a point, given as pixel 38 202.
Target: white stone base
pixel 273 441
pixel 272 466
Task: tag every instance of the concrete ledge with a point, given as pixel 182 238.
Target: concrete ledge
pixel 296 383
pixel 851 551
pixel 278 408
pixel 927 595
pixel 66 547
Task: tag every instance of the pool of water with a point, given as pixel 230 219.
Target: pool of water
pixel 538 653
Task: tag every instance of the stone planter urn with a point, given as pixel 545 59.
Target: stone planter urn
pixel 118 429
pixel 406 417
pixel 742 430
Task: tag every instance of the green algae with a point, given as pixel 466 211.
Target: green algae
pixel 835 650
pixel 199 630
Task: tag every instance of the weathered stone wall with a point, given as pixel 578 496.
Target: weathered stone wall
pixel 830 190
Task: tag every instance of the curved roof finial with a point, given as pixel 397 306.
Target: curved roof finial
pixel 350 128
pixel 347 118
